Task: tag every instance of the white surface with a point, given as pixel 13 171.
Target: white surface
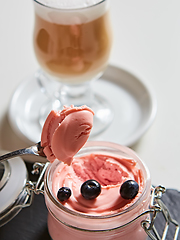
pixel 146 41
pixel 128 95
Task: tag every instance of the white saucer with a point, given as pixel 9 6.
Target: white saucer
pixel 133 102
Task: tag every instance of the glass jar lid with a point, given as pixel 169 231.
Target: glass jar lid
pixel 4 173
pixel 13 178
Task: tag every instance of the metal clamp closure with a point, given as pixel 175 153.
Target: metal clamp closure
pixel 156 207
pixel 25 197
pixel 23 200
pixel 38 187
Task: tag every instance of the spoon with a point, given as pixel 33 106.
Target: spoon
pixel 34 150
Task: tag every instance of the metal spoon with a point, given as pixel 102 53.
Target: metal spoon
pixel 34 150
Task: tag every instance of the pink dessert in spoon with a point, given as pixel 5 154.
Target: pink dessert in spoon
pixel 65 132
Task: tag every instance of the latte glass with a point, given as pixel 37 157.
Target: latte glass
pixel 72 45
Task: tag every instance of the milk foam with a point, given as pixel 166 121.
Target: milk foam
pixel 69 3
pixel 70 12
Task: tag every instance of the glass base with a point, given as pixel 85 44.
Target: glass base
pixel 103 113
pixel 77 95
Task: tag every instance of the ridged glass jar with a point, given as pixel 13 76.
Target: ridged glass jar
pixel 66 224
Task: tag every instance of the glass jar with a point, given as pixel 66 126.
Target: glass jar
pixel 64 223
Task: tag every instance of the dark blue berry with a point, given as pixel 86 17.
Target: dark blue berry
pixel 129 189
pixel 63 194
pixel 90 189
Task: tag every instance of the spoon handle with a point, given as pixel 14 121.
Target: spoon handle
pixel 17 153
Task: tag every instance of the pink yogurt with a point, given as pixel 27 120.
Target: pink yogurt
pixel 108 216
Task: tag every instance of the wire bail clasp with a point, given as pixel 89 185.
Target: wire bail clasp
pixel 38 187
pixel 157 206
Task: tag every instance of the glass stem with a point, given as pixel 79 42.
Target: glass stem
pixel 76 94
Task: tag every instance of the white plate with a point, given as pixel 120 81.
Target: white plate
pixel 132 100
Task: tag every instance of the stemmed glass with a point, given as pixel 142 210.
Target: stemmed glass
pixel 72 44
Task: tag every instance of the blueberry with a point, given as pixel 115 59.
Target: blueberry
pixel 129 189
pixel 63 194
pixel 90 189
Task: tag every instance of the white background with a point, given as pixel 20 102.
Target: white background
pixel 146 41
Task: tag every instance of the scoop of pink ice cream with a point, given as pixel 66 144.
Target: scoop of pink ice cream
pixel 65 132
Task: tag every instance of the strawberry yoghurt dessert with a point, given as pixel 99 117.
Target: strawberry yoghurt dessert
pixel 93 190
pixel 65 132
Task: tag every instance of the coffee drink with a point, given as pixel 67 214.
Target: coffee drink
pixel 72 44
